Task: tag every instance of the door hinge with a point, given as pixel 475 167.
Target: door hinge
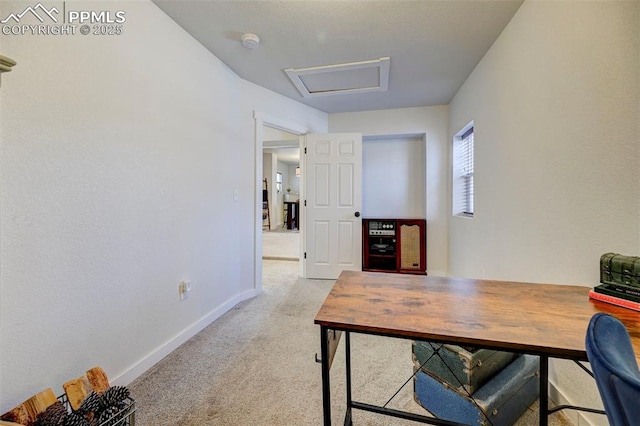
pixel 305 203
pixel 305 149
pixel 305 254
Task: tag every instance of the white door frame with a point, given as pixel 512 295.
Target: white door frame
pixel 261 119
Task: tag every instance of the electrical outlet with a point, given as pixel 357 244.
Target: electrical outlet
pixel 183 289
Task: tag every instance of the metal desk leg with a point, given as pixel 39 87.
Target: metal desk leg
pixel 347 345
pixel 544 390
pixel 326 389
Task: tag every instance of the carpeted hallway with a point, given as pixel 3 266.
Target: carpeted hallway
pixel 281 244
pixel 255 366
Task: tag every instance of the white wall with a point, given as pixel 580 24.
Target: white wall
pixel 269 168
pixel 431 124
pixel 272 135
pixel 284 169
pixel 119 159
pixel 271 165
pixel 292 179
pixel 557 179
pixel 393 182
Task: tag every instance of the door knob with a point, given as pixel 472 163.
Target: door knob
pixel 357 214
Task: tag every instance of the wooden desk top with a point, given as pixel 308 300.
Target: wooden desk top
pixel 533 318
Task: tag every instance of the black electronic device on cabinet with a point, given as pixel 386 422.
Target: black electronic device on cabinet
pixel 394 245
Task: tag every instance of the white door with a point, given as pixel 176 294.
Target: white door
pixel 333 223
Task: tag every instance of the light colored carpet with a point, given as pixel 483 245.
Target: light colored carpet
pixel 281 244
pixel 255 366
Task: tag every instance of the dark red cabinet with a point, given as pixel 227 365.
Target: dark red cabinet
pixel 394 245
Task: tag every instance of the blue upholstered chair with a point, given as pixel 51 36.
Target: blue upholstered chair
pixel 615 369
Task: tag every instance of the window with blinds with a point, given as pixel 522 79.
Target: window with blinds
pixel 463 172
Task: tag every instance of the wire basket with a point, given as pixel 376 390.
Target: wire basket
pixel 124 417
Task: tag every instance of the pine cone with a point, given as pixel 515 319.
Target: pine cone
pixel 106 417
pixel 75 419
pixel 92 403
pixel 54 415
pixel 115 395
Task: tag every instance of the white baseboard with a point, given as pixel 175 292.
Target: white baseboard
pixel 154 357
pixel 575 417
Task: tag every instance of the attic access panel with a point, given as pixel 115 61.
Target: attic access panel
pixel 340 79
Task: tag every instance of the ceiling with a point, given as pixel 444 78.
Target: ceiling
pixel 433 45
pixel 286 155
pixel 286 145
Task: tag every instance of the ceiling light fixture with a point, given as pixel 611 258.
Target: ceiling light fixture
pixel 250 41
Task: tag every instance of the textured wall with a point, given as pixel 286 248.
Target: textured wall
pixel 119 159
pixel 557 179
pixel 555 106
pixel 393 183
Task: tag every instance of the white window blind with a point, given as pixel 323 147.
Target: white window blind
pixel 463 164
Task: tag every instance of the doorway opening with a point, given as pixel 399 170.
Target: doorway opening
pixel 263 122
pixel 281 172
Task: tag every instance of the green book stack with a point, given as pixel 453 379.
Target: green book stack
pixel 619 280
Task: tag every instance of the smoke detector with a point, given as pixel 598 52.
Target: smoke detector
pixel 250 41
